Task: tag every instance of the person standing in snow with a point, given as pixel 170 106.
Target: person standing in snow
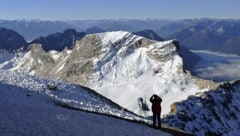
pixel 156 109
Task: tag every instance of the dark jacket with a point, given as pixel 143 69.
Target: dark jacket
pixel 156 104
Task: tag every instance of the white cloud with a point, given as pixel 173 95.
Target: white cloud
pixel 221 71
pixel 217 67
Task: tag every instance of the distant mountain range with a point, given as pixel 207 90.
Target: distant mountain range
pixel 150 34
pixel 94 29
pixel 11 40
pixel 197 34
pixel 31 29
pixel 219 35
pixel 59 41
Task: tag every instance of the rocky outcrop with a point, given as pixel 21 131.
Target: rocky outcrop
pixel 79 66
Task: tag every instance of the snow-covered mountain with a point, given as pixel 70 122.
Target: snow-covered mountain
pixel 119 65
pixel 215 112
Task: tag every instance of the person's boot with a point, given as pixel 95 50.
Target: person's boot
pixel 159 126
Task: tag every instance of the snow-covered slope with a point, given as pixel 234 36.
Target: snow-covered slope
pixel 73 96
pixel 213 113
pixel 27 108
pixel 119 65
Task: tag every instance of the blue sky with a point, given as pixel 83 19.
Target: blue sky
pixel 116 9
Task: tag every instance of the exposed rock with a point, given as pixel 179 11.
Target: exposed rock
pixel 202 83
pixel 159 52
pixel 51 87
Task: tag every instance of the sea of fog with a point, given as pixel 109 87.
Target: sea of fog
pixel 217 66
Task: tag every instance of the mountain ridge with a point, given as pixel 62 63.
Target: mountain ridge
pixel 221 36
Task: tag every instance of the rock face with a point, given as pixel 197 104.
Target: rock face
pixel 59 41
pixel 119 65
pixel 31 29
pixel 212 113
pixel 11 41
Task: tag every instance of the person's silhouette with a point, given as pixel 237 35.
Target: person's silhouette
pixel 156 109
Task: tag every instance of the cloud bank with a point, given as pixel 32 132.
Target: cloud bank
pixel 218 67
